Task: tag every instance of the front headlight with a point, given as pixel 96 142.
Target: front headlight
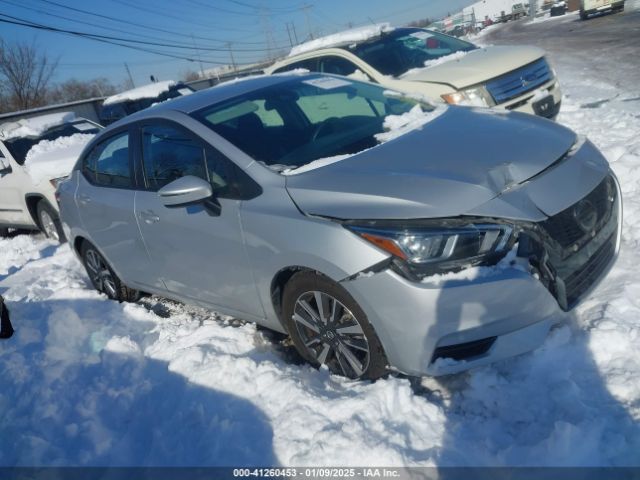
pixel 474 97
pixel 423 251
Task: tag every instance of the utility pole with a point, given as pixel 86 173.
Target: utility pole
pixel 289 33
pixel 133 85
pixel 306 10
pixel 233 60
pixel 198 53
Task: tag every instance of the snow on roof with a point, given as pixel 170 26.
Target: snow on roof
pixel 354 35
pixel 34 126
pixel 50 159
pixel 146 91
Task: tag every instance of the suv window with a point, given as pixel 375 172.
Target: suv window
pixel 310 64
pixel 108 163
pixel 169 153
pixel 337 65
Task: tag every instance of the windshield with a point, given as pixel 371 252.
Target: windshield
pixel 295 122
pixel 20 146
pixel 399 51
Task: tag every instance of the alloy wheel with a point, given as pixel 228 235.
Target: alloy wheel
pixel 331 334
pixel 100 273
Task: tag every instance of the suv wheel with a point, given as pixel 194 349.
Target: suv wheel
pixel 49 222
pixel 103 278
pixel 4 231
pixel 329 328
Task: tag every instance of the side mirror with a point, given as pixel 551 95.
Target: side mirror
pixel 185 190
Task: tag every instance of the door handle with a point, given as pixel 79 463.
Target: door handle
pixel 149 217
pixel 84 199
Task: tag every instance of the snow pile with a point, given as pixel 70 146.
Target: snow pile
pixel 416 118
pixel 34 126
pixel 354 35
pixel 55 158
pixel 146 91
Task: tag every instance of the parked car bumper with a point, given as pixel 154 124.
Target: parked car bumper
pixel 440 327
pixel 492 318
pixel 527 104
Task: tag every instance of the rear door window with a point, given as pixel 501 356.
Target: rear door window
pixel 108 164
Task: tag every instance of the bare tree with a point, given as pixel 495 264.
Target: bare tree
pixel 73 89
pixel 190 75
pixel 26 73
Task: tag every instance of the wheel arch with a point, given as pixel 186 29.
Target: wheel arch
pixel 279 281
pixel 32 200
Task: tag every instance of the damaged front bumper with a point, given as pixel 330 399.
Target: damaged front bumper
pixel 438 327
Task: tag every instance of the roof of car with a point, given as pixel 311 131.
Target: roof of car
pixel 346 37
pixel 200 99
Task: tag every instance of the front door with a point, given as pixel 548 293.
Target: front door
pixel 199 253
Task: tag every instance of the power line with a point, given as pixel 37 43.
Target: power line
pixel 139 25
pixel 36 26
pixel 143 42
pixel 83 22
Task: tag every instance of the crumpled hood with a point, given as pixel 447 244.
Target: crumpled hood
pixel 477 66
pixel 455 163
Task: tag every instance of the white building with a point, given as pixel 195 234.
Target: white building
pixel 492 9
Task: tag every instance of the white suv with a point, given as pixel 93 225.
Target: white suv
pixel 35 154
pixel 424 62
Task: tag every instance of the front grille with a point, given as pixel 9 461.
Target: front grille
pixel 578 282
pixel 569 227
pixel 580 243
pixel 520 81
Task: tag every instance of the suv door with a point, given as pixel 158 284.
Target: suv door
pixel 13 209
pixel 105 198
pixel 200 252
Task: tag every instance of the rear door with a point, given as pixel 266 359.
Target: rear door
pixel 199 252
pixel 105 198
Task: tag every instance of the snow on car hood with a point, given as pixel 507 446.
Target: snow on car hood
pixel 34 126
pixel 50 159
pixel 476 66
pixel 455 163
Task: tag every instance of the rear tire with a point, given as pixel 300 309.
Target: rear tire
pixel 102 276
pixel 4 231
pixel 583 15
pixel 328 327
pixel 49 222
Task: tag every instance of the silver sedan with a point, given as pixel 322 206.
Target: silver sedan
pixel 380 232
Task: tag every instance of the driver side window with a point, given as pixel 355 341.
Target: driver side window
pixel 168 154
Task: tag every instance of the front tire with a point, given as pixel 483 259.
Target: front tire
pixel 102 276
pixel 49 222
pixel 328 327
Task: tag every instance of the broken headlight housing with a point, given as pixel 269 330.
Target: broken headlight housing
pixel 420 251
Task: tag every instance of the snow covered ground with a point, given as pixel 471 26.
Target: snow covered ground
pixel 87 381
